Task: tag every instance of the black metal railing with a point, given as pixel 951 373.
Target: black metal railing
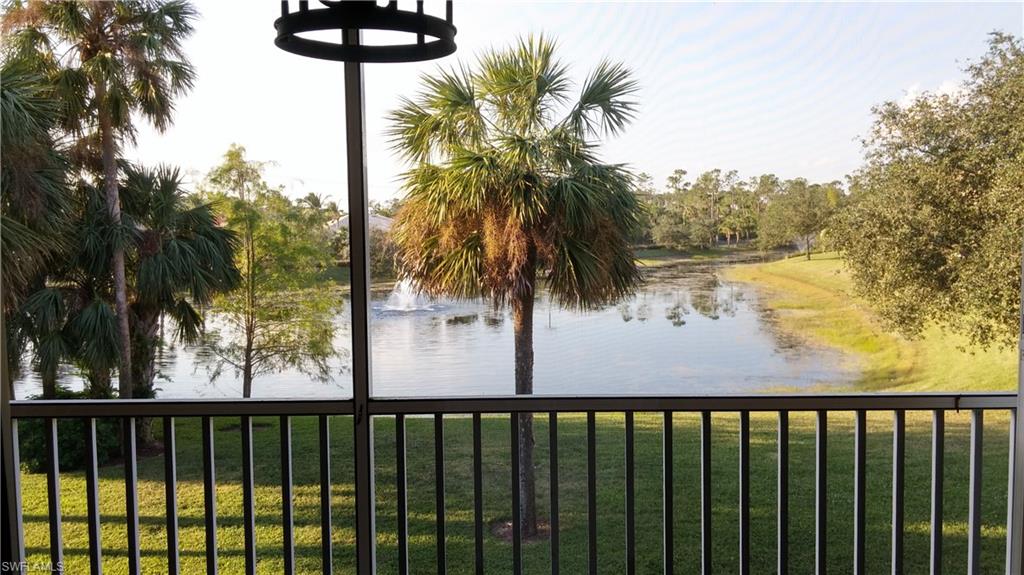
pixel 166 411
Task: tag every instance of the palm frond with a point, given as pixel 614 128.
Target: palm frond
pixel 524 83
pixel 95 330
pixel 187 320
pixel 444 116
pixel 604 106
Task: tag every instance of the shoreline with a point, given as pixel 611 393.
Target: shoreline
pixel 814 300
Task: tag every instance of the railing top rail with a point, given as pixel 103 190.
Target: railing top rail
pixel 177 407
pixel 768 402
pixel 511 404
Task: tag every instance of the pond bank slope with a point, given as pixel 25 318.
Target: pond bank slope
pixel 814 300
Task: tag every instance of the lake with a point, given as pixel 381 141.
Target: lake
pixel 687 331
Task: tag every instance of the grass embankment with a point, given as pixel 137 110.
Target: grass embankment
pixel 572 465
pixel 814 299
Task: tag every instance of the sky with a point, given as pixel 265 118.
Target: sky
pixel 758 88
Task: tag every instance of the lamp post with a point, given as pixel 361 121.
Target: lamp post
pixel 1015 521
pixel 434 38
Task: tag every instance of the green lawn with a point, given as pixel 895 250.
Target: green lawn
pixel 572 430
pixel 813 299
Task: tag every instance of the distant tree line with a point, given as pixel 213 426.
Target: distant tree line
pixel 721 208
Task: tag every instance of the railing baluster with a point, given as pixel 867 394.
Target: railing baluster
pixel 517 499
pixel 209 496
pixel 53 492
pixel 131 497
pixel 591 492
pixel 1010 535
pixel 938 473
pixel 248 501
pixel 974 512
pixel 705 492
pixel 439 491
pixel 171 496
pixel 668 497
pixel 92 497
pixel 821 492
pixel 401 479
pixel 782 496
pixel 326 543
pixel 553 468
pixel 860 449
pixel 899 442
pixel 14 533
pixel 630 498
pixel 478 495
pixel 287 512
pixel 744 502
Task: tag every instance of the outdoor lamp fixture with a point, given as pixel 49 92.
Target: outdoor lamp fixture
pixel 365 15
pixel 434 38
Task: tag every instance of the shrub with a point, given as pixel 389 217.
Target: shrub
pixel 71 450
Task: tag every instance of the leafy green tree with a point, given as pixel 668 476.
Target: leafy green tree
pixel 932 232
pixel 739 211
pixel 703 201
pixel 506 189
pixel 696 214
pixel 281 316
pixel 647 195
pixel 110 62
pixel 672 227
pixel 797 214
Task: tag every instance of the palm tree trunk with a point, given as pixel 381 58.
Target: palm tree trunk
pixel 124 372
pixel 522 321
pixel 147 328
pixel 49 377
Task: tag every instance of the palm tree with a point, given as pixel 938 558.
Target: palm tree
pixel 34 196
pixel 182 258
pixel 33 175
pixel 507 188
pixel 109 61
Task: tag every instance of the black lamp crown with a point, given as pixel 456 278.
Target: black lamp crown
pixel 435 37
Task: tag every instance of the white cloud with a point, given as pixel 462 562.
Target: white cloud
pixel 948 87
pixel 911 94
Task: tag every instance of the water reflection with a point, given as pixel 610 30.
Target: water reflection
pixel 686 331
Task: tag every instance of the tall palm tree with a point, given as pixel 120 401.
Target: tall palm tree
pixel 34 195
pixel 109 61
pixel 507 188
pixel 181 258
